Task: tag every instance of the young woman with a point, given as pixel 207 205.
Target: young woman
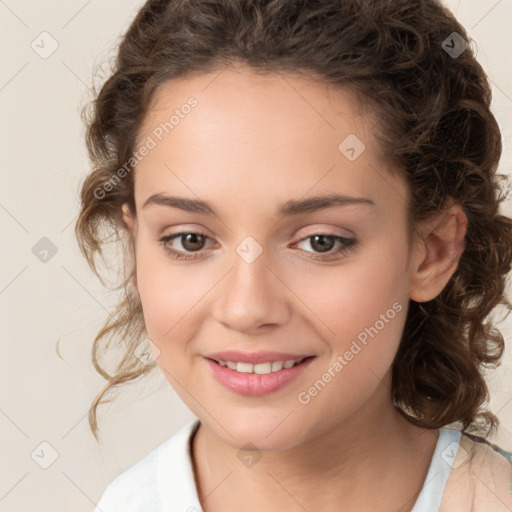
pixel 308 200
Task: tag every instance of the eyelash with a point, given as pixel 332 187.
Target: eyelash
pixel 347 244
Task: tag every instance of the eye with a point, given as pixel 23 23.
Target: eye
pixel 325 242
pixel 190 241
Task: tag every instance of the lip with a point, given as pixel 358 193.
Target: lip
pixel 252 384
pixel 255 357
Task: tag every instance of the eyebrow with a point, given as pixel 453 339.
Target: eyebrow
pixel 291 207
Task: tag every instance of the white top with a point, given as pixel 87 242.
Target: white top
pixel 163 481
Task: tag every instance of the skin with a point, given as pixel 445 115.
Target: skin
pixel 253 143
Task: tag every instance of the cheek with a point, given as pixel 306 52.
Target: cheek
pixel 165 295
pixel 364 299
pixel 360 311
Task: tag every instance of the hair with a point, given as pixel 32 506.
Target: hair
pixel 434 127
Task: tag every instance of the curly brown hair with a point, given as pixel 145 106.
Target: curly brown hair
pixel 435 128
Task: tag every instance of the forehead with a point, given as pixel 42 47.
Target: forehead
pixel 251 94
pixel 258 136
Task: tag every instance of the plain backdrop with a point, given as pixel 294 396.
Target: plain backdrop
pixel 45 398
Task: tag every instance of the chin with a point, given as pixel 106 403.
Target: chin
pixel 264 434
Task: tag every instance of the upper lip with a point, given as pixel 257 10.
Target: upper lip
pixel 255 357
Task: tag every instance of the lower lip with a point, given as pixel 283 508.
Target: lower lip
pixel 253 384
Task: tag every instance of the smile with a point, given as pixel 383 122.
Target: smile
pixel 257 379
pixel 260 368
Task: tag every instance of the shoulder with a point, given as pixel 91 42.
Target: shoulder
pixel 483 442
pixel 488 458
pixel 137 488
pixel 489 470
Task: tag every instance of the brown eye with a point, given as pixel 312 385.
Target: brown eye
pixel 319 243
pixel 325 243
pixel 192 241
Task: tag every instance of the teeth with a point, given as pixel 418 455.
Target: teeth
pixel 277 365
pixel 244 367
pixel 262 368
pixel 259 368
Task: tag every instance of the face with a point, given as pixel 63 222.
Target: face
pixel 258 274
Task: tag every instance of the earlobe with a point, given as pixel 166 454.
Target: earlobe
pixel 437 255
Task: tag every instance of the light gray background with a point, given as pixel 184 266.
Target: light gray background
pixel 45 398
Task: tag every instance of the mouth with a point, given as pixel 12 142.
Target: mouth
pixel 257 379
pixel 263 368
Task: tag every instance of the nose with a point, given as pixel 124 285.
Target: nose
pixel 250 296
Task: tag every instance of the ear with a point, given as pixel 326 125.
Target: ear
pixel 437 253
pixel 128 217
pixel 130 222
